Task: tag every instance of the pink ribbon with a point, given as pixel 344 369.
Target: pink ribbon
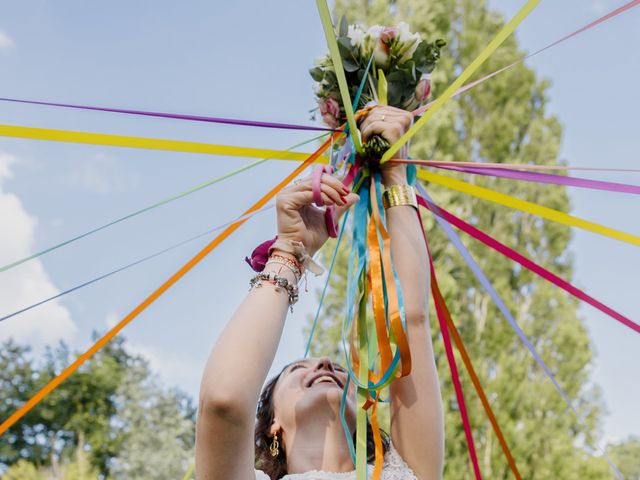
pixel 527 263
pixel 617 11
pixel 548 178
pixel 513 166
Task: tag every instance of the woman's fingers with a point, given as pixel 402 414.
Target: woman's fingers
pixel 391 131
pixel 299 199
pixel 332 193
pixel 329 185
pixel 390 122
pixel 351 199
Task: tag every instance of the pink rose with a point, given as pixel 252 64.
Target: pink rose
pixel 330 120
pixel 423 89
pixel 330 111
pixel 388 34
pixel 329 105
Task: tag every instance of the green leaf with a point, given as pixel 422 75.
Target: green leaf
pixel 349 65
pixel 345 47
pixel 317 74
pixel 344 26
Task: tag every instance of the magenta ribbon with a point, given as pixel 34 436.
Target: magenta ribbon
pixel 546 178
pixel 451 360
pixel 178 116
pixel 527 263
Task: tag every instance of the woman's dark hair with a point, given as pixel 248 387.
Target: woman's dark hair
pixel 276 467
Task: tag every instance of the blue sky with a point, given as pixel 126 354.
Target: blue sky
pixel 249 59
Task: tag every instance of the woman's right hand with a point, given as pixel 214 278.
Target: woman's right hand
pixel 300 220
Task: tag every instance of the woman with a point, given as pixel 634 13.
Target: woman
pixel 298 433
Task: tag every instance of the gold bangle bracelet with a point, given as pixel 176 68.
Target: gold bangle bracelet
pixel 397 195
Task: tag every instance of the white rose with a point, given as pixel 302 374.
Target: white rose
pixel 375 31
pixel 404 34
pixel 356 34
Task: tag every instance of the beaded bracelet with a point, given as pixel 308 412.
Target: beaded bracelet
pixel 295 267
pixel 279 282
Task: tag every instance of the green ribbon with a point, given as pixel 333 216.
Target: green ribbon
pixel 332 43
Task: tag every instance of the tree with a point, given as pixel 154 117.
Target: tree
pixel 75 415
pixel 502 120
pixel 157 429
pixel 626 456
pixel 111 419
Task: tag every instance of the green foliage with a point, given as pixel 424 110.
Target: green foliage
pixel 502 120
pixel 23 470
pixel 626 456
pixel 111 419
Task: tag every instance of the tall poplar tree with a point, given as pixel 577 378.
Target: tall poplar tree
pixel 503 120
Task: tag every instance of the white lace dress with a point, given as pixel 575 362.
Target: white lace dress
pixel 394 468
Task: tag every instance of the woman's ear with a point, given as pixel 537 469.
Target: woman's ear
pixel 275 428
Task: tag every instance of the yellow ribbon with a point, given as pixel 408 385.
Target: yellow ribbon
pixel 148 143
pixel 528 207
pixel 464 76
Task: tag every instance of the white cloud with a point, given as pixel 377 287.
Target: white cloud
pixel 29 282
pixel 5 40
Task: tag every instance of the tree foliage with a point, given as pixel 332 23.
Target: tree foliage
pixel 503 120
pixel 111 419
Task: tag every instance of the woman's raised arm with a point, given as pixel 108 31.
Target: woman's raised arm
pixel 417 424
pixel 243 354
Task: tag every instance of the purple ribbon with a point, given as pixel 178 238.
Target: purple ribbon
pixel 547 178
pixel 177 116
pixel 484 281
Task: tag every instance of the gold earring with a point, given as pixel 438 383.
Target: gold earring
pixel 275 446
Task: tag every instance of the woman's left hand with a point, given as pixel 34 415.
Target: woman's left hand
pixel 390 123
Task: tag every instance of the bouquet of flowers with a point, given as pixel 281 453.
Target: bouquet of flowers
pixel 404 58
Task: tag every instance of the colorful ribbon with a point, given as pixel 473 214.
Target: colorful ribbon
pixel 177 116
pixel 133 264
pixel 549 179
pixel 146 143
pixel 441 312
pixel 512 166
pixel 528 207
pixel 528 264
pixel 484 281
pixel 56 381
pixel 464 76
pixel 475 83
pixel 332 43
pixel 148 208
pixel 476 382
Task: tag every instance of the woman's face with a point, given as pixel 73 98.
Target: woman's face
pixel 312 388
